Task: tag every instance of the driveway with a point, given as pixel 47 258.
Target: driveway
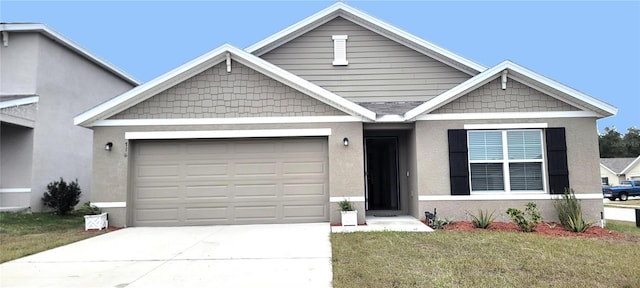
pixel 279 255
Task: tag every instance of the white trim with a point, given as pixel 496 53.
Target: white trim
pixel 505 126
pixel 348 198
pixel 340 50
pixel 151 88
pixel 212 134
pixel 227 121
pixel 110 204
pixel 18 102
pixel 15 190
pixel 495 72
pixel 45 30
pixel 350 13
pixel 631 165
pixel 508 115
pixel 609 169
pixel 390 119
pixel 505 196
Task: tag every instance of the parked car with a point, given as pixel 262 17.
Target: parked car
pixel 622 191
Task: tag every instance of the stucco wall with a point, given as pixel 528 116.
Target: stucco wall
pixel 215 93
pixel 613 178
pixel 634 173
pixel 433 158
pixel 516 98
pixel 67 84
pixel 111 169
pixel 19 64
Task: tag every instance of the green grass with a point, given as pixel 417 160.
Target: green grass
pixel 629 202
pixel 26 234
pixel 625 227
pixel 482 259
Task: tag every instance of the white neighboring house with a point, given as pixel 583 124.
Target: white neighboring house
pixel 46 80
pixel 614 170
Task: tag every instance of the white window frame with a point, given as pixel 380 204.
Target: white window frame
pixel 505 161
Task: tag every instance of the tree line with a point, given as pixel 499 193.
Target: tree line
pixel 613 144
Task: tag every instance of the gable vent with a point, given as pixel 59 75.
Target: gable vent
pixel 340 50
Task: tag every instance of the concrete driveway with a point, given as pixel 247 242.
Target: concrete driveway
pixel 282 255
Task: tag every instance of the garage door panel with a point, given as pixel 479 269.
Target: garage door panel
pixel 208 192
pixel 303 189
pixel 231 181
pixel 207 170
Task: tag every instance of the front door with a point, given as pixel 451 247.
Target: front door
pixel 382 173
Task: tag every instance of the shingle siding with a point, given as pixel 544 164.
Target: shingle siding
pixel 516 98
pixel 215 93
pixel 379 69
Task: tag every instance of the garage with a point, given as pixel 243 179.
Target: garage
pixel 229 181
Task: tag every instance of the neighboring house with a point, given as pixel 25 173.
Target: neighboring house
pixel 614 170
pixel 341 106
pixel 46 80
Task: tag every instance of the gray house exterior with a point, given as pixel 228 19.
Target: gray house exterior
pixel 46 80
pixel 340 105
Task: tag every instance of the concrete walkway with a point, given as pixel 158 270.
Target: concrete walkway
pixel 622 214
pixel 287 255
pixel 395 223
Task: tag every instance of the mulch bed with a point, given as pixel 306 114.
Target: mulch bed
pixel 548 229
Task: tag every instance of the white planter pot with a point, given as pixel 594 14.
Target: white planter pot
pixel 349 218
pixel 96 221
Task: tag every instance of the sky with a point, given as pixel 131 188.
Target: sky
pixel 590 46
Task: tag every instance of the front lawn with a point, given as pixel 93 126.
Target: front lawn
pixel 482 259
pixel 618 203
pixel 26 234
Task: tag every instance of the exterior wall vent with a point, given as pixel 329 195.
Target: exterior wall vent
pixel 340 50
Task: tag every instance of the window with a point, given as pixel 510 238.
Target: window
pixel 605 181
pixel 506 160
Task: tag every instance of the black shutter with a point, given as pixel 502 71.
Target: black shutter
pixel 458 162
pixel 557 160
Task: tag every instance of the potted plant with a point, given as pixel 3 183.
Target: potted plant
pixel 348 213
pixel 94 218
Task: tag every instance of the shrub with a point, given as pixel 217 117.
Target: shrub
pixel 88 209
pixel 520 218
pixel 62 197
pixel 440 223
pixel 570 212
pixel 483 220
pixel 346 205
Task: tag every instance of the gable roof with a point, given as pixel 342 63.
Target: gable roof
pixel 521 74
pixel 66 42
pixel 198 65
pixel 343 10
pixel 619 166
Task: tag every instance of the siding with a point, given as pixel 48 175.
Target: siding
pixel 379 69
pixel 215 93
pixel 516 98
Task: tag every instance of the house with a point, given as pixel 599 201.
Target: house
pixel 614 170
pixel 46 80
pixel 341 105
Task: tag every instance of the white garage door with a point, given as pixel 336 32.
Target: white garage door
pixel 246 181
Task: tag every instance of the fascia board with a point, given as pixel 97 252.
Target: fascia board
pixel 45 30
pixel 325 14
pixel 631 165
pixel 563 88
pixel 137 94
pixel 608 169
pixel 19 102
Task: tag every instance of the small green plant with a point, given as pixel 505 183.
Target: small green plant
pixel 88 209
pixel 346 205
pixel 440 223
pixel 62 197
pixel 483 220
pixel 570 212
pixel 520 218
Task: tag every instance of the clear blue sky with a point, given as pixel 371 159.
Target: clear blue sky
pixel 593 47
